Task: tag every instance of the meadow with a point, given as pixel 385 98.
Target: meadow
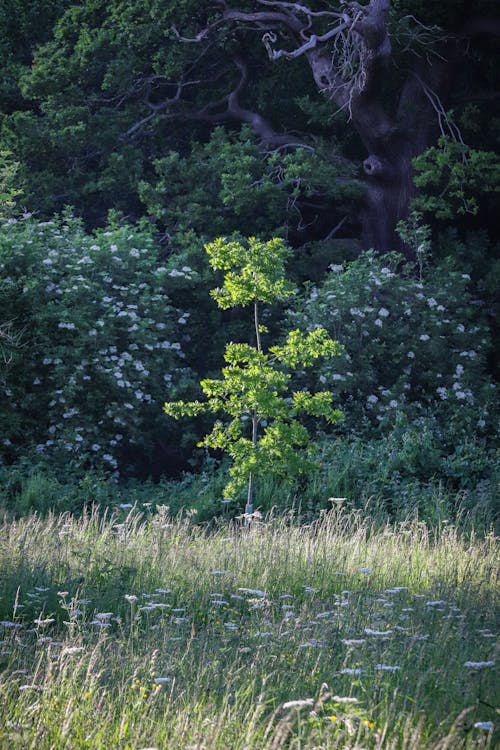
pixel 134 629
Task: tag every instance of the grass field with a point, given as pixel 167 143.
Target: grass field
pixel 150 632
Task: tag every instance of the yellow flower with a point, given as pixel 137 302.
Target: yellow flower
pixel 369 724
pixel 333 718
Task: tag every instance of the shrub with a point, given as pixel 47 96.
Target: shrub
pixel 411 346
pixel 103 344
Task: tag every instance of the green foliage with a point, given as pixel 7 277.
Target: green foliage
pixel 102 344
pixel 253 273
pixel 9 186
pixel 230 183
pixel 255 389
pixel 453 177
pixel 411 346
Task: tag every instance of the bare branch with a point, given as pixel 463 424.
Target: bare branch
pixel 201 35
pixel 269 38
pixel 301 9
pixel 446 125
pixel 335 229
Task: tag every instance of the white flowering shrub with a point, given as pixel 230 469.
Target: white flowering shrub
pixel 102 344
pixel 412 346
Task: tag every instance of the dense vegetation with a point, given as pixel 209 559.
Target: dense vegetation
pixel 249 248
pixel 134 133
pixel 140 631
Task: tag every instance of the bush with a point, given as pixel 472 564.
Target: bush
pixel 103 345
pixel 412 347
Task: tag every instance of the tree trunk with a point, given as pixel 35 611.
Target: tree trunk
pixel 389 189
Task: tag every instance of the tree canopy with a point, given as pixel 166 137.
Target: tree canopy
pixel 323 106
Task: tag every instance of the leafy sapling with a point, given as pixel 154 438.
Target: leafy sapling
pixel 263 433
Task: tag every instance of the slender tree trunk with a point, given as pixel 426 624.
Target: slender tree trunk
pixel 255 423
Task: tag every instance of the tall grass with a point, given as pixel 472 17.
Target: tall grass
pixel 125 631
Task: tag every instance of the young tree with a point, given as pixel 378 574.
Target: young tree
pixel 264 433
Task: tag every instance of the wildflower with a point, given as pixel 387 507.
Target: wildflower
pixel 424 337
pixel 486 726
pixel 367 571
pixel 378 323
pixel 411 355
pixel 253 592
pixel 349 699
pixel 436 603
pixel 479 664
pixel 131 597
pixel 298 703
pixel 383 312
pixel 369 631
pixel 162 680
pixel 386 668
pixel 218 572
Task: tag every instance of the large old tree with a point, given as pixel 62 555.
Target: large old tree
pixel 366 87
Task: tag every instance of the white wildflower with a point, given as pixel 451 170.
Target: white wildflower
pixel 253 592
pixel 298 703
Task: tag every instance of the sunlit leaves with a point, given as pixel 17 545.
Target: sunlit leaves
pixel 264 434
pixel 253 271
